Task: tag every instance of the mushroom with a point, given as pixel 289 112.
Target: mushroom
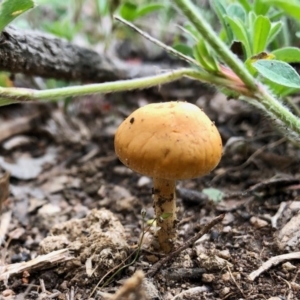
pixel 168 141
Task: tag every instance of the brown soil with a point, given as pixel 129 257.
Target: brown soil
pixel 85 200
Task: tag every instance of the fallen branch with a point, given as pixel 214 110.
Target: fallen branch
pixel 273 261
pixel 35 53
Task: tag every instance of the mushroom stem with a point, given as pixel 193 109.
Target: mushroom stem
pixel 165 210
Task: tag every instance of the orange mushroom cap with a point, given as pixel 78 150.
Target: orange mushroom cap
pixel 171 140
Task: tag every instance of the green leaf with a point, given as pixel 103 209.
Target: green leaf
pixel 147 9
pixel 260 8
pixel 280 90
pixel 291 7
pixel 288 54
pixel 251 19
pixel 204 56
pixel 213 194
pixel 221 13
pixel 275 29
pixel 165 216
pixel 261 30
pixel 246 5
pixel 10 9
pixel 240 33
pixel 128 11
pixel 184 49
pixel 278 72
pixel 192 31
pixel 235 10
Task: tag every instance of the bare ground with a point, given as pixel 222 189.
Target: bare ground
pixel 68 186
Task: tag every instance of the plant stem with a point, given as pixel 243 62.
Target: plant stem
pixel 165 203
pixel 13 95
pixel 277 109
pixel 193 15
pixel 167 48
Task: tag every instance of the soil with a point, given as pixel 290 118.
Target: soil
pixel 71 192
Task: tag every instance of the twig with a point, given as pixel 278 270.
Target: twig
pixel 159 43
pixel 4 190
pixel 4 224
pixel 155 268
pixel 233 279
pixel 43 288
pixel 131 285
pixel 275 218
pixel 113 271
pixel 273 261
pixel 39 262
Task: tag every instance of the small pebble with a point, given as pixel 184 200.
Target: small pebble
pixel 295 286
pixel 144 180
pixel 49 209
pixel 226 229
pixel 224 291
pixel 7 293
pixel 224 254
pixel 228 219
pixel 208 277
pixel 122 170
pixel 258 223
pixel 287 267
pixel 226 277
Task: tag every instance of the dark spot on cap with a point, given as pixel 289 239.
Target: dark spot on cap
pixel 131 120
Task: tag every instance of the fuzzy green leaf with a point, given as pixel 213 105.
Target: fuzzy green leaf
pixel 280 90
pixel 288 54
pixel 240 33
pixel 213 194
pixel 261 30
pixel 10 9
pixel 236 10
pixel 278 72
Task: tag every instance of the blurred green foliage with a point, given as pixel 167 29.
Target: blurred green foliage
pixel 255 30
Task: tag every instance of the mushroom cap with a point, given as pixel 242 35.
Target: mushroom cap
pixel 171 140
